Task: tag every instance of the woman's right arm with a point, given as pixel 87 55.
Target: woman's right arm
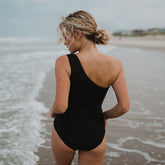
pixel 120 88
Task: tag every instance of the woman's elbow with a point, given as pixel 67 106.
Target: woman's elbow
pixel 125 107
pixel 60 109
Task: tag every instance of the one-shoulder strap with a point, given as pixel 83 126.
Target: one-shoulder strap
pixel 78 70
pixel 71 61
pixel 74 64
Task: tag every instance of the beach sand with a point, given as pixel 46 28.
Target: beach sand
pixel 147 42
pixel 119 130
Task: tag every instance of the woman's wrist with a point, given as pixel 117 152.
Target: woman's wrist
pixel 52 112
pixel 105 115
pixel 52 109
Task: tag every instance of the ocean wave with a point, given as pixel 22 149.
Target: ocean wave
pixel 146 155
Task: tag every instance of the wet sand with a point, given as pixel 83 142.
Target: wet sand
pixel 47 95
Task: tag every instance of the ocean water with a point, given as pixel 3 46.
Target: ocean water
pixel 139 135
pixel 23 67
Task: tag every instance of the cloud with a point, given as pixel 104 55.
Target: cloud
pixel 40 17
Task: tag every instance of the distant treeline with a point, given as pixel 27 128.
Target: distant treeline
pixel 140 32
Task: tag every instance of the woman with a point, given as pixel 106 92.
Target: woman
pixel 82 80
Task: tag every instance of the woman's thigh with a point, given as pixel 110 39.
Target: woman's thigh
pixel 62 153
pixel 94 156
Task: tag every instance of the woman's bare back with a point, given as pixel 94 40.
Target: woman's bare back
pixel 101 69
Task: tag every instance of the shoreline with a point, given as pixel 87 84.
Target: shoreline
pixel 144 42
pixel 46 96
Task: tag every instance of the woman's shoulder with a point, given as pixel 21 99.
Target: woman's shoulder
pixel 61 58
pixel 112 61
pixel 62 62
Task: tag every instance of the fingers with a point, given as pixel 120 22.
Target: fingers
pixel 52 113
pixel 105 121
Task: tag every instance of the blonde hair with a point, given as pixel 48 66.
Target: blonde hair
pixel 85 22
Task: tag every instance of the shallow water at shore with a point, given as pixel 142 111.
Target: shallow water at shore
pixel 22 73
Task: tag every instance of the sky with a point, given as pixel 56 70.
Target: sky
pixel 40 18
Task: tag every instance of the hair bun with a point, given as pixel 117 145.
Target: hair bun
pixel 102 37
pixel 85 22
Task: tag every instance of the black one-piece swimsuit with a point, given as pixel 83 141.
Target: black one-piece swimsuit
pixel 81 126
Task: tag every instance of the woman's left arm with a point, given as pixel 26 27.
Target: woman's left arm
pixel 60 104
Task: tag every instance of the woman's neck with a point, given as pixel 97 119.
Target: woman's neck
pixel 87 46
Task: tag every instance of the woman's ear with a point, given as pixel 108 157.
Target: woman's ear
pixel 78 34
